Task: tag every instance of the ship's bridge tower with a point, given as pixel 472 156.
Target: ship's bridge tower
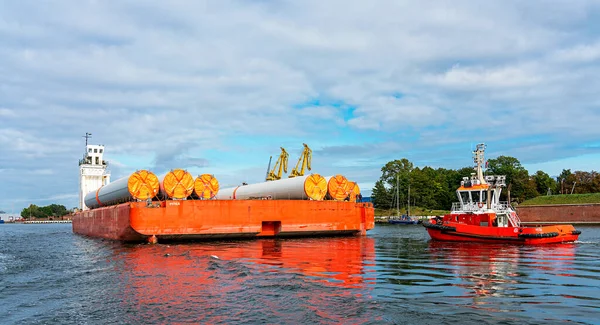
pixel 93 172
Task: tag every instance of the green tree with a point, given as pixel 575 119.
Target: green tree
pixel 380 196
pixel 529 189
pixel 543 182
pixel 57 210
pixel 516 175
pixel 33 211
pixel 52 210
pixel 586 182
pixel 395 168
pixel 395 176
pixel 565 181
pixel 436 189
pixel 427 186
pixel 595 186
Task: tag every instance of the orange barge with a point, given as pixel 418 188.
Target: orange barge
pixel 144 207
pixel 204 219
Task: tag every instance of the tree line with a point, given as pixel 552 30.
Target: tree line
pixel 436 188
pixel 49 211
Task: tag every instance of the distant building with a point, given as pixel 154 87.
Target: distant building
pixel 8 217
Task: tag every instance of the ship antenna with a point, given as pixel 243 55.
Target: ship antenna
pixel 86 136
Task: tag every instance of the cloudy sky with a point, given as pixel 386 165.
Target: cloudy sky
pixel 218 86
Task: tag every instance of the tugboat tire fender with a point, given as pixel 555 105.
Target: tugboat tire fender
pixel 439 227
pixel 542 235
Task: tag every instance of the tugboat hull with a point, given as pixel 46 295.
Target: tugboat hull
pixel 520 235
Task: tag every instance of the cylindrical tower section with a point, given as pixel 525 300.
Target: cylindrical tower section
pixel 206 186
pixel 143 185
pixel 306 187
pixel 140 185
pixel 337 187
pixel 177 184
pixel 315 187
pixel 353 191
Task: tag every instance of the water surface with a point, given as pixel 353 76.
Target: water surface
pixel 48 275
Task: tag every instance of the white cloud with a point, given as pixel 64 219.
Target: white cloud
pixel 390 113
pixel 6 113
pixel 472 78
pixel 579 54
pixel 189 83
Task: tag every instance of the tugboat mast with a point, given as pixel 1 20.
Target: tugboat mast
pixel 479 160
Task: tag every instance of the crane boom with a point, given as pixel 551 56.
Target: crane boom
pixel 303 162
pixel 280 165
pixel 268 167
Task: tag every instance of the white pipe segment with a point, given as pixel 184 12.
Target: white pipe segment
pixel 283 189
pixel 110 194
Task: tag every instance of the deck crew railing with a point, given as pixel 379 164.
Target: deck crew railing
pixel 499 207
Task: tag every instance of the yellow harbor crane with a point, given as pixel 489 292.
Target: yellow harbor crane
pixel 305 158
pixel 280 165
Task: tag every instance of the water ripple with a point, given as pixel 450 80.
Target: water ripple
pixel 394 275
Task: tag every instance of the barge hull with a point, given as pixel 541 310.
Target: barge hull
pixel 209 219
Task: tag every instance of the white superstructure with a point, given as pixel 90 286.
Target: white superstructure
pixel 93 172
pixel 480 194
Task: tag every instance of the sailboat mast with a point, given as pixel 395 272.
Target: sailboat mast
pixel 397 195
pixel 408 203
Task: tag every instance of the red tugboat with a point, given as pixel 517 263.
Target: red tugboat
pixel 480 216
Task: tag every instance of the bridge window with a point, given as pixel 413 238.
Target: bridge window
pixel 476 196
pixel 464 196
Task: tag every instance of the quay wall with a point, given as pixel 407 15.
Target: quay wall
pixel 560 213
pixel 47 221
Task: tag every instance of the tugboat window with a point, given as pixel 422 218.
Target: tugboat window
pixel 476 196
pixel 464 195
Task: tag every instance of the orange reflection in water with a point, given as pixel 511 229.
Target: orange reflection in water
pixel 493 270
pixel 242 276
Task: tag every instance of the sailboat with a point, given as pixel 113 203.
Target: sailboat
pixel 404 219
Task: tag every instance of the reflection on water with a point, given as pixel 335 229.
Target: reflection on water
pixel 257 280
pixel 510 283
pixel 499 271
pixel 394 275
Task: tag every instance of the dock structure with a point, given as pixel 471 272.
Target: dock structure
pixel 46 221
pixel 385 219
